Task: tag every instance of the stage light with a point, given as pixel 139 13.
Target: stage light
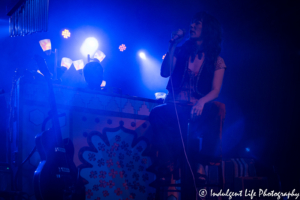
pixel 66 62
pixel 247 149
pixel 38 71
pixel 122 47
pixel 89 46
pixel 142 55
pixel 103 84
pixel 78 64
pixel 45 44
pixel 163 57
pixel 160 95
pixel 66 33
pixel 99 55
pixel 150 72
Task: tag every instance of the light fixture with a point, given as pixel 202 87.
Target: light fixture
pixel 66 62
pixel 78 64
pixel 66 33
pixel 45 44
pixel 160 95
pixel 103 84
pixel 99 55
pixel 142 55
pixel 122 47
pixel 163 57
pixel 89 46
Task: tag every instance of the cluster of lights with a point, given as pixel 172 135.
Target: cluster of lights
pixel 122 47
pixel 89 47
pixel 91 43
pixel 66 33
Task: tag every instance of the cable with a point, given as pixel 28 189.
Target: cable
pixel 171 64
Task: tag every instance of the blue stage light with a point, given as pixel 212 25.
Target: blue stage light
pixel 89 46
pixel 150 72
pixel 247 149
pixel 142 55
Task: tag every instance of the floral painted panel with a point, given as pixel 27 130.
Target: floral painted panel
pixel 115 167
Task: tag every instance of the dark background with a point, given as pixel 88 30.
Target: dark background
pixel 261 49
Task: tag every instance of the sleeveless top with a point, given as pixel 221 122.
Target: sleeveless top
pixel 190 86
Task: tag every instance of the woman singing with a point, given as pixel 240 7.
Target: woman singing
pixel 196 73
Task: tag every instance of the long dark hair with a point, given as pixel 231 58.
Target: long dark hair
pixel 212 37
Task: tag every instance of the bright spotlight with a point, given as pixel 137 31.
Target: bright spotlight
pixel 142 55
pixel 89 46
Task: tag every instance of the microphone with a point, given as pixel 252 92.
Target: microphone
pixel 177 35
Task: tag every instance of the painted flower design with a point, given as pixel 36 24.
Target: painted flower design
pixel 105 193
pixel 89 193
pixel 101 162
pixel 151 196
pixel 113 173
pixel 93 174
pixel 122 174
pixel 121 156
pixel 132 195
pixel 103 183
pixel 130 166
pixel 101 147
pixel 135 185
pixel 125 184
pixel 144 161
pixel 142 188
pixel 109 163
pixel 145 177
pixel 120 164
pixel 102 174
pixel 136 157
pixel 115 147
pixel 118 191
pixel 120 167
pixel 110 153
pixel 124 145
pixel 92 157
pixel 96 187
pixel 135 176
pixel 111 184
pixel 128 152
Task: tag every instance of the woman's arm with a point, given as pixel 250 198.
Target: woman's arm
pixel 168 64
pixel 169 61
pixel 213 94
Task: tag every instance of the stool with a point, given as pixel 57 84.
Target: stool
pixel 204 157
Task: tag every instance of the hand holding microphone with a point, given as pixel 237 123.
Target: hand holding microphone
pixel 177 36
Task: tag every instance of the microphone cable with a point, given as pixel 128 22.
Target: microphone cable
pixel 183 145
